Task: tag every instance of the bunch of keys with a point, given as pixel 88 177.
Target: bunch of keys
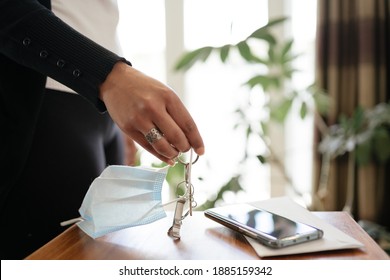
pixel 186 198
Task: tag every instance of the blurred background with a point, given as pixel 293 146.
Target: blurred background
pixel 291 97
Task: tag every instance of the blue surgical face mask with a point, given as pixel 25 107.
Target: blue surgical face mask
pixel 122 197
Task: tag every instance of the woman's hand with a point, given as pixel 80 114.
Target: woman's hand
pixel 139 103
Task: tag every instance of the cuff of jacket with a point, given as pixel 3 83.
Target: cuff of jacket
pixel 46 44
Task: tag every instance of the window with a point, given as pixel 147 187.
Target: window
pixel 141 32
pixel 212 90
pixel 299 147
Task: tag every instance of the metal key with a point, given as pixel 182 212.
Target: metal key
pixel 174 230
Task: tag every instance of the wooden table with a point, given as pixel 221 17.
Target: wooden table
pixel 202 239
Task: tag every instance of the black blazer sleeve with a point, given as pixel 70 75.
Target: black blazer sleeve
pixel 31 35
pixel 34 43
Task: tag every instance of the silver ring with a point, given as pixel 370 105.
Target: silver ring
pixel 153 135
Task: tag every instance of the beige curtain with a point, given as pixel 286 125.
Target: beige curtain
pixel 353 66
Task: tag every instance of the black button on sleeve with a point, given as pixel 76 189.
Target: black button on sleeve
pixel 43 54
pixel 26 41
pixel 61 63
pixel 76 73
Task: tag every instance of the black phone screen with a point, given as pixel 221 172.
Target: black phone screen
pixel 265 222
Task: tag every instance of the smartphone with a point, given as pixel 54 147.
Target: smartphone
pixel 268 228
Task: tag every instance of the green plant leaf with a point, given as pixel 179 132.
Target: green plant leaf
pixel 259 80
pixel 190 58
pixel 224 52
pixel 288 72
pixel 272 56
pixel 248 131
pixel 262 159
pixel 321 100
pixel 303 110
pixel 381 139
pixel 275 81
pixel 289 58
pixel 344 122
pixel 286 49
pixel 280 112
pixel 257 59
pixel 363 153
pixel 264 33
pixel 245 51
pixel 275 21
pixel 357 119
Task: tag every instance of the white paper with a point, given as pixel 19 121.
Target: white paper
pixel 333 238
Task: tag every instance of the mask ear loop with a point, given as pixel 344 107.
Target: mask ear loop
pixel 71 221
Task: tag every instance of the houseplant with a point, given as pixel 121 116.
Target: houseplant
pixel 274 72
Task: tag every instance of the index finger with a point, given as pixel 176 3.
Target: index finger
pixel 184 120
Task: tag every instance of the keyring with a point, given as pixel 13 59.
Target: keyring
pixel 183 185
pixel 183 162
